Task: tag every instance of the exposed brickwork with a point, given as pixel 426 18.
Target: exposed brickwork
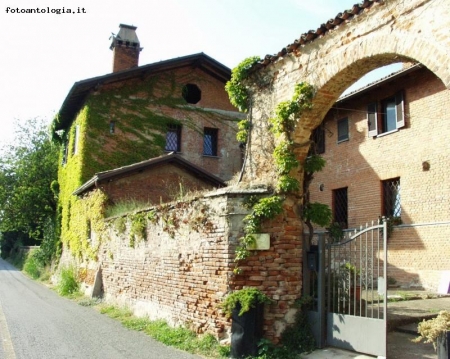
pixel 125 57
pixel 182 276
pixel 160 184
pixel 418 255
pixel 390 31
pixel 213 110
pixel 362 162
pixel 277 272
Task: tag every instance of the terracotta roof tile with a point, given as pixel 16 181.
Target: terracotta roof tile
pixel 322 30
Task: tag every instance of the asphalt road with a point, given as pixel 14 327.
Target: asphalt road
pixel 36 323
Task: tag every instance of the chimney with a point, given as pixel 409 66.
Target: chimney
pixel 126 48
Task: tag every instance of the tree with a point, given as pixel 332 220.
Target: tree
pixel 28 166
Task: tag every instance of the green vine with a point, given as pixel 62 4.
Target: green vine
pixel 245 298
pixel 141 109
pixel 243 130
pixel 287 114
pixel 236 89
pixel 138 228
pixel 265 208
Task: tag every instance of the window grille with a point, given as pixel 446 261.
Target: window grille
pixel 210 141
pixel 340 207
pixel 391 198
pixel 173 138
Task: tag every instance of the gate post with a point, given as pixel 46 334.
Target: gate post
pixel 321 292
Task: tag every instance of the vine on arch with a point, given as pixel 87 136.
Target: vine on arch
pixel 287 114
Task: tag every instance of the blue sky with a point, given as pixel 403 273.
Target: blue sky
pixel 44 54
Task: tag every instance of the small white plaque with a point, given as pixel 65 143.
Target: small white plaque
pixel 262 242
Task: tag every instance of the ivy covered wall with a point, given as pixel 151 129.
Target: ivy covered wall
pixel 140 110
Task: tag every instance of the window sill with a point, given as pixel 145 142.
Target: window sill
pixel 387 133
pixel 210 156
pixel 345 140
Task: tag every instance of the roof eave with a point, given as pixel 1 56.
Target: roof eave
pixel 80 89
pixel 389 78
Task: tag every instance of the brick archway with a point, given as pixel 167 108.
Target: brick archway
pixel 382 33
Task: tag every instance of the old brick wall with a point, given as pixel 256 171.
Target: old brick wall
pixel 180 272
pixel 184 268
pixel 277 272
pixel 154 185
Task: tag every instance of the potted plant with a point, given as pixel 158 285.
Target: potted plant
pixel 345 288
pixel 246 308
pixel 436 331
pixel 350 276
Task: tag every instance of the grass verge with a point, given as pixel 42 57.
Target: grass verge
pixel 179 337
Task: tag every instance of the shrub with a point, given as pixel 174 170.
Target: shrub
pixel 32 266
pixel 430 330
pixel 247 298
pixel 67 282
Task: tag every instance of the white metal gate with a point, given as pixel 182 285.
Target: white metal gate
pixel 350 295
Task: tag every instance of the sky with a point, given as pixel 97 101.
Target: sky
pixel 44 54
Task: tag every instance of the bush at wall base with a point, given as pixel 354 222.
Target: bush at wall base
pixel 246 308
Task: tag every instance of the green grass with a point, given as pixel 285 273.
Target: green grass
pixel 67 284
pixel 178 337
pixel 124 207
pixel 185 339
pixel 31 264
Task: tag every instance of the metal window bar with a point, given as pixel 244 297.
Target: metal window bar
pixel 341 207
pixel 392 205
pixel 173 138
pixel 210 142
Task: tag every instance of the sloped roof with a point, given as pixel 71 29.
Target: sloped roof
pixel 79 91
pixel 171 158
pixel 322 30
pixel 380 82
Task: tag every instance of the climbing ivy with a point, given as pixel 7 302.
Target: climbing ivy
pixel 287 114
pixel 86 217
pixel 141 109
pixel 138 228
pixel 237 91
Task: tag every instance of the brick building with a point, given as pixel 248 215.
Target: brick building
pixel 386 147
pixel 160 179
pixel 137 113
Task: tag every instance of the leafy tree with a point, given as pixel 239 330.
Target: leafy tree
pixel 28 166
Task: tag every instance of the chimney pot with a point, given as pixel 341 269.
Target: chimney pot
pixel 125 56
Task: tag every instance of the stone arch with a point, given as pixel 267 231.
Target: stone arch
pixel 331 59
pixel 341 71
